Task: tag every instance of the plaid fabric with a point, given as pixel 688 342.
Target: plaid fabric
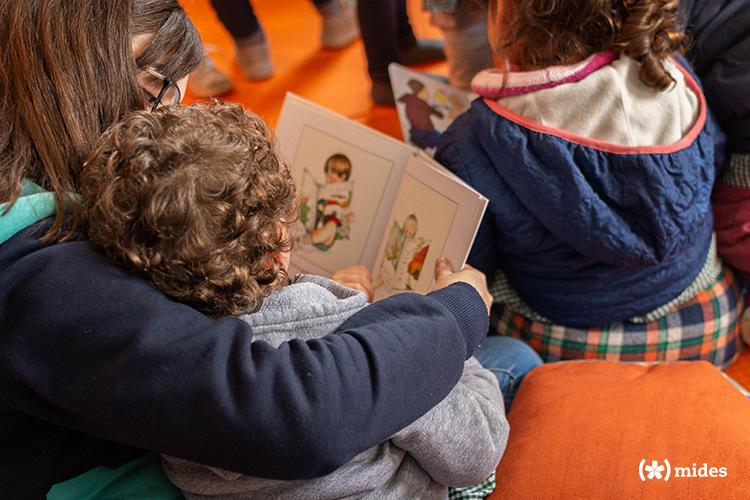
pixel 503 293
pixel 737 173
pixel 481 490
pixel 707 328
pixel 439 5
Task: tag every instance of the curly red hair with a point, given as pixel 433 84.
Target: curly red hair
pixel 540 33
pixel 195 198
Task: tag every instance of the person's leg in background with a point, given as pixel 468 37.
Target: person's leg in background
pixel 340 26
pixel 250 40
pixel 510 360
pixel 253 56
pixel 412 50
pixel 464 27
pixel 252 49
pixel 388 37
pixel 377 22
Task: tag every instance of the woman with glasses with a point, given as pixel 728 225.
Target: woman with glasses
pixel 168 93
pixel 98 366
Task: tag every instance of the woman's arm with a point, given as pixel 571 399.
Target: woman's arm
pixel 88 347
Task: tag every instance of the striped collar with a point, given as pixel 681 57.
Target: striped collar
pixel 495 83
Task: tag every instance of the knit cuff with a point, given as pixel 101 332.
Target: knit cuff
pixel 737 173
pixel 467 307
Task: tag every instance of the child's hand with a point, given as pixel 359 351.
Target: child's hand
pixel 357 277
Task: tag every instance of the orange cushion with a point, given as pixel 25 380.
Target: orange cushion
pixel 581 429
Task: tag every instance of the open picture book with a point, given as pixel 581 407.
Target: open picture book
pixel 426 105
pixel 366 198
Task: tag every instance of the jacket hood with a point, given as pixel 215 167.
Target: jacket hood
pixel 623 206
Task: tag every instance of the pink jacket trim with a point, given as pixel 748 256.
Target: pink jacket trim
pixel 494 83
pixel 609 147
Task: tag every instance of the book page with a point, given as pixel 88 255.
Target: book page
pixel 433 216
pixel 347 176
pixel 426 106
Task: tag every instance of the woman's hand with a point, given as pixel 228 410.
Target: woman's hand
pixel 357 277
pixel 446 276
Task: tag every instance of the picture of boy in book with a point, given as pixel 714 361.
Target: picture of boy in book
pixel 331 218
pixel 419 114
pixel 405 255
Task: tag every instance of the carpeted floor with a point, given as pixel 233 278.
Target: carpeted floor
pixel 337 80
pixel 334 79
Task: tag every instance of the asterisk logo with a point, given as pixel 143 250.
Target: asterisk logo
pixel 654 470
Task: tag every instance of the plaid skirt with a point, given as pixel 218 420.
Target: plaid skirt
pixel 707 327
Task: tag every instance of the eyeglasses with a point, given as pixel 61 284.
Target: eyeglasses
pixel 169 93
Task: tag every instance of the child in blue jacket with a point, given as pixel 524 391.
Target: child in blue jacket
pixel 597 151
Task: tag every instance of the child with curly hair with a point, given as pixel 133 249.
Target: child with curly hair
pixel 595 146
pixel 197 200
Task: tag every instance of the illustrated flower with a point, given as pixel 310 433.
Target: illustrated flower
pixel 654 470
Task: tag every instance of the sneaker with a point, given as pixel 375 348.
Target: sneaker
pixel 207 80
pixel 340 26
pixel 423 51
pixel 254 58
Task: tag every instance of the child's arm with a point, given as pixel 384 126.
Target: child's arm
pixel 461 440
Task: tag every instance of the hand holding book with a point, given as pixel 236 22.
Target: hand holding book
pixel 446 276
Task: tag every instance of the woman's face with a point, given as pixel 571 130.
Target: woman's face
pixel 151 86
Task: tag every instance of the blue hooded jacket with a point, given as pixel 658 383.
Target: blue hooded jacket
pixel 587 235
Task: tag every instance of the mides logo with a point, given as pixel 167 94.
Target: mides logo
pixel 654 470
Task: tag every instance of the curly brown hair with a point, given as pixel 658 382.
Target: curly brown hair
pixel 195 198
pixel 540 33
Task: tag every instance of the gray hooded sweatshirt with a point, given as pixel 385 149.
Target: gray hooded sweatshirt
pixel 457 443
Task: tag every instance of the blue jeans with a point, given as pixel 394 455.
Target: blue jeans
pixel 510 360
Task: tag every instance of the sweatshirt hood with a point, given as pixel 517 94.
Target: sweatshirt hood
pixel 33 205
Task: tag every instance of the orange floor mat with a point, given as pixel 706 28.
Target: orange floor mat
pixel 337 80
pixel 334 79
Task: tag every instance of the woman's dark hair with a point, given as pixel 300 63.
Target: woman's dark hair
pixel 67 73
pixel 196 199
pixel 540 33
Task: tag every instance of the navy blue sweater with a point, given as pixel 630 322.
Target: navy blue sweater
pixel 92 356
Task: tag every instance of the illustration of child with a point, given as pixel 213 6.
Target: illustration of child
pixel 332 216
pixel 404 257
pixel 418 113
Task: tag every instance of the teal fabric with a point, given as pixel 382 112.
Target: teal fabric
pixel 33 205
pixel 140 478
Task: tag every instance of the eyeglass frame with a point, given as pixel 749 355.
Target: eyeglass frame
pixel 166 83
